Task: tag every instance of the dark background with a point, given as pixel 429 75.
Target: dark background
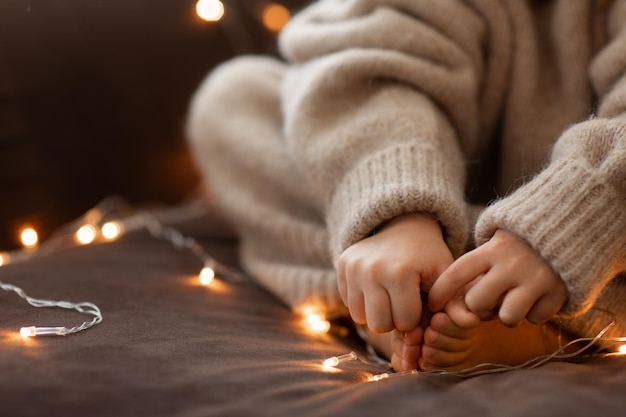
pixel 93 97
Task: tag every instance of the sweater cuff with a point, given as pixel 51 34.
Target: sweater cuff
pixel 398 180
pixel 563 214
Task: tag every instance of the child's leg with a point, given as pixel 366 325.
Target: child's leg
pixel 236 131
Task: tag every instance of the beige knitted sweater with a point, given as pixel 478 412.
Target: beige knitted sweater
pixel 384 107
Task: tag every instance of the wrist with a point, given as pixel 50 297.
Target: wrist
pixel 421 219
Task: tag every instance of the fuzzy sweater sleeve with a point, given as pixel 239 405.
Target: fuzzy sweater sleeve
pixel 376 104
pixel 574 212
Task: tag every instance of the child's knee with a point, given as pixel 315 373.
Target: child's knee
pixel 245 74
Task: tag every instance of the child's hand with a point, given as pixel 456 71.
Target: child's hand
pixel 380 278
pixel 504 276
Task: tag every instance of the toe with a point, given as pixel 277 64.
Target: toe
pixel 434 358
pixel 445 343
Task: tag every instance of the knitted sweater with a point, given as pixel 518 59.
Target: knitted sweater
pixel 383 107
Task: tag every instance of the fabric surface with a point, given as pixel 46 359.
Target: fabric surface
pixel 169 347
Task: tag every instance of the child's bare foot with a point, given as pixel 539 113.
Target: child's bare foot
pixel 403 349
pixel 450 346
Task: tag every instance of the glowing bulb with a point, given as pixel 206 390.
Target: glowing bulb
pixel 111 230
pixel 275 16
pixel 28 331
pixel 207 275
pixel 317 323
pixel 4 258
pixel 29 237
pixel 336 360
pixel 86 234
pixel 386 375
pixel 622 350
pixel 379 377
pixel 32 331
pixel 210 10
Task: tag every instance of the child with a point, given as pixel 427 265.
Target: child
pixel 355 170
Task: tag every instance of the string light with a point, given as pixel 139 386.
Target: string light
pixel 275 16
pixel 210 10
pixel 83 307
pixel 32 331
pixel 207 275
pixel 86 234
pixel 387 375
pixel 111 230
pixel 317 323
pixel 29 237
pixel 560 354
pixel 336 360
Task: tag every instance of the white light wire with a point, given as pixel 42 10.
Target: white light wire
pixel 109 207
pixel 82 307
pixel 490 368
pixel 179 241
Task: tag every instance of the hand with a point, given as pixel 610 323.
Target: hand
pixel 506 275
pixel 381 277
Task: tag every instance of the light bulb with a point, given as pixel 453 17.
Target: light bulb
pixel 29 237
pixel 386 375
pixel 275 16
pixel 336 360
pixel 317 323
pixel 622 350
pixel 111 230
pixel 207 275
pixel 32 331
pixel 86 234
pixel 379 377
pixel 210 10
pixel 4 258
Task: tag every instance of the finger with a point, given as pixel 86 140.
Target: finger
pixel 462 271
pixel 487 293
pixel 460 314
pixel 378 310
pixel 515 306
pixel 406 306
pixel 356 306
pixel 545 308
pixel 341 282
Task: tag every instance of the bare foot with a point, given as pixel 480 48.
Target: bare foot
pixel 450 346
pixel 403 349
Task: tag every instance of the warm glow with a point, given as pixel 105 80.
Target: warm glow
pixel 317 323
pixel 86 234
pixel 210 10
pixel 379 377
pixel 275 16
pixel 336 360
pixel 622 350
pixel 207 275
pixel 29 237
pixel 4 258
pixel 111 230
pixel 28 331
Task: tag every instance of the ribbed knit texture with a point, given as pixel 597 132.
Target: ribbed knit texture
pixel 384 107
pixel 573 213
